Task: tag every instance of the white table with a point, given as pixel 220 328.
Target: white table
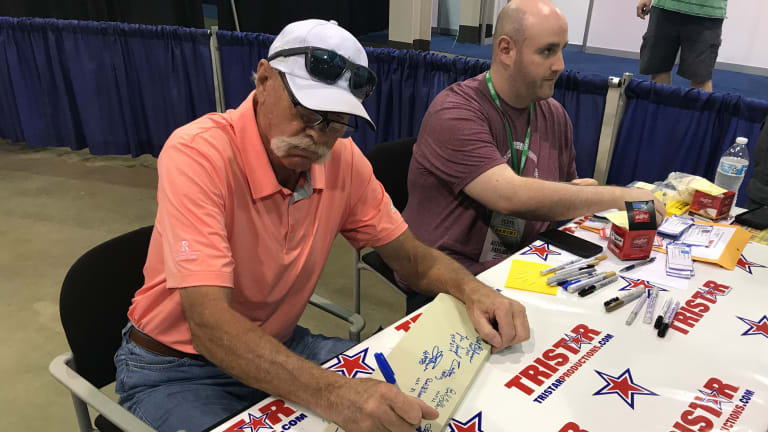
pixel 708 373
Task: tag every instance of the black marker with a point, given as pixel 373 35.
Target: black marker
pixel 592 288
pixel 668 319
pixel 660 319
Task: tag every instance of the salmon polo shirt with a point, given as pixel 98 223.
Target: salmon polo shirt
pixel 224 220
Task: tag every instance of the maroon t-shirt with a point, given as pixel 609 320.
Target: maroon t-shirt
pixel 462 136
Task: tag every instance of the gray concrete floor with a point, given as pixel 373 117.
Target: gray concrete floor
pixel 55 205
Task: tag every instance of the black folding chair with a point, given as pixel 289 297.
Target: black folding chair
pixel 390 162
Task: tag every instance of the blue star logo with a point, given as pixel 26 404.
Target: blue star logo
pixel 747 265
pixel 541 250
pixel 255 424
pixel 474 424
pixel 713 294
pixel 624 386
pixel 632 283
pixel 759 327
pixel 577 340
pixel 352 365
pixel 713 398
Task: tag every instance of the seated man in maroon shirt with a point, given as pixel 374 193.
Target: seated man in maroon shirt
pixel 473 198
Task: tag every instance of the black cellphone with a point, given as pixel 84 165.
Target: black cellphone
pixel 756 218
pixel 569 242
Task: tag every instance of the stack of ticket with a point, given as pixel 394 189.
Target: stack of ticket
pixel 679 261
pixel 674 225
pixel 697 235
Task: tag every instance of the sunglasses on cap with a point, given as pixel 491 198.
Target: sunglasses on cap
pixel 322 120
pixel 329 66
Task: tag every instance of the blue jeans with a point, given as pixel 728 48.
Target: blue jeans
pixel 170 393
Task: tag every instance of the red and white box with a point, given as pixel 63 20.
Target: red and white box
pixel 631 244
pixel 712 206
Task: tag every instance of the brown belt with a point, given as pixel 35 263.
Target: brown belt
pixel 148 343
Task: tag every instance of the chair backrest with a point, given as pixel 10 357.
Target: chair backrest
pixel 390 161
pixel 95 297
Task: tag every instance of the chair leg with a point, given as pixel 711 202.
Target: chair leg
pixel 83 417
pixel 356 283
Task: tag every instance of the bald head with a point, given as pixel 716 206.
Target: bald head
pixel 516 16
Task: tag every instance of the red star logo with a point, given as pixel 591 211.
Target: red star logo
pixel 639 283
pixel 256 424
pixel 747 265
pixel 623 386
pixel 542 251
pixel 713 398
pixel 352 365
pixel 577 340
pixel 759 327
pixel 474 424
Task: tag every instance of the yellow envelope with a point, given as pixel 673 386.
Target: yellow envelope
pixel 526 275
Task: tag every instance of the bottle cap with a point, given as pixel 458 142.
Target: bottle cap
pixel 741 140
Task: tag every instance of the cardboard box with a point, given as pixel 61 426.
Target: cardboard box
pixel 636 240
pixel 712 206
pixel 630 244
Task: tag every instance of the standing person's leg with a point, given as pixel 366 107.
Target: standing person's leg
pixel 700 44
pixel 661 42
pixel 172 394
pixel 662 78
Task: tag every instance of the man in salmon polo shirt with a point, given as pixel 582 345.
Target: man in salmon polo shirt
pixel 249 203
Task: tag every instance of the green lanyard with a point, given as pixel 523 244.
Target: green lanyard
pixel 524 154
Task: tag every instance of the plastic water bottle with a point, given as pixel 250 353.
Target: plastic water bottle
pixel 733 166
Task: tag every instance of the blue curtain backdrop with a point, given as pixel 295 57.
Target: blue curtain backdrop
pixel 668 129
pixel 583 96
pixel 410 80
pixel 114 88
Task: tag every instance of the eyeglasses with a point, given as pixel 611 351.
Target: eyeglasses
pixel 329 66
pixel 315 119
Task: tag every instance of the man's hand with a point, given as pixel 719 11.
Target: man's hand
pixel 643 8
pixel 500 321
pixel 365 404
pixel 584 182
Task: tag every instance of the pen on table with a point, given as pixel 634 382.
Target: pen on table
pixel 636 310
pixel 648 318
pixel 561 266
pixel 590 289
pixel 660 319
pixel 584 283
pixel 552 281
pixel 385 369
pixel 572 263
pixel 573 279
pixel 668 319
pixel 577 266
pixel 617 302
pixel 637 264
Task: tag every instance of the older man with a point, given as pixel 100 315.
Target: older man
pixel 494 152
pixel 249 203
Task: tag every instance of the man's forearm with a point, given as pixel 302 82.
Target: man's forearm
pixel 245 351
pixel 535 199
pixel 433 272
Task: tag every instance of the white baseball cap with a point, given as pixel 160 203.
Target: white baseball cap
pixel 310 92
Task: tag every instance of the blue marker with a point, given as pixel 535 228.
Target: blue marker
pixel 385 369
